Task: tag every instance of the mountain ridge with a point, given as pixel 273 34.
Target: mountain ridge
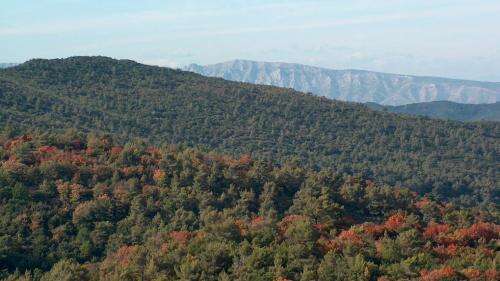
pixel 283 63
pixel 354 85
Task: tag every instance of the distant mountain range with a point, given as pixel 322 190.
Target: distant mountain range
pixel 446 110
pixel 5 65
pixel 354 85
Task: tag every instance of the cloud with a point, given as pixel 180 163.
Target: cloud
pixel 360 20
pixel 59 27
pixel 142 17
pixel 180 20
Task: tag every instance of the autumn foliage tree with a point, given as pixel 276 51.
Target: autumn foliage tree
pixel 77 207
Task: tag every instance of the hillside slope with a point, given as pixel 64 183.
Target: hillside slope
pixel 162 105
pixel 446 110
pixel 354 85
pixel 77 207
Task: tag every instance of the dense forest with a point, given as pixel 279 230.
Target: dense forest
pixel 446 110
pixel 128 100
pixel 84 207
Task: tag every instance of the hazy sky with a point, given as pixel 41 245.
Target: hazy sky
pixel 452 38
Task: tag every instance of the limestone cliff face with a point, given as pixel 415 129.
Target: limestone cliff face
pixel 354 85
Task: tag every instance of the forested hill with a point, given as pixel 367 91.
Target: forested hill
pixel 446 110
pixel 162 105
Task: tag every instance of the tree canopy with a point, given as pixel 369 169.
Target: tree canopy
pixel 83 207
pixel 454 161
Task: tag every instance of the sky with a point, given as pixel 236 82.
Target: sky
pixel 449 38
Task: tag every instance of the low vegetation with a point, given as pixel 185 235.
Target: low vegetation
pixel 82 207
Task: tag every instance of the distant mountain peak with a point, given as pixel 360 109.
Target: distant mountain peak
pixel 354 85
